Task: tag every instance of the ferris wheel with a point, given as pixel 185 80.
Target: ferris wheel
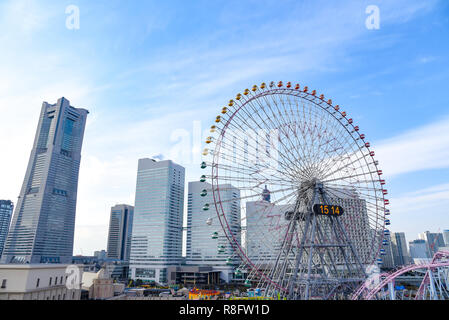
pixel 311 193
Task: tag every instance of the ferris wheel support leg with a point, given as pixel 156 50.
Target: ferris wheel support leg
pixel 433 293
pixel 286 242
pixel 292 293
pixel 354 252
pixel 309 265
pixel 291 290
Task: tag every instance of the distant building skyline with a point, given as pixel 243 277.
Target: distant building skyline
pixel 120 231
pixel 401 256
pixel 43 223
pixel 418 249
pixel 433 241
pixel 158 214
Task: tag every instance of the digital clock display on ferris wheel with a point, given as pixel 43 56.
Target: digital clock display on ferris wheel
pixel 327 210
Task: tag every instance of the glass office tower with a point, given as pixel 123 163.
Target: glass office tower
pixel 44 219
pixel 6 209
pixel 207 245
pixel 157 227
pixel 120 230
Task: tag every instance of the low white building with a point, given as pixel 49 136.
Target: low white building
pixel 38 282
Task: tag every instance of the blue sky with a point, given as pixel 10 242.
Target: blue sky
pixel 151 71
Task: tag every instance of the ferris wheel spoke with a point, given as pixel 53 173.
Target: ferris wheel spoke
pixel 246 170
pixel 249 116
pixel 349 195
pixel 280 125
pixel 253 195
pixel 359 186
pixel 342 167
pixel 350 176
pixel 254 156
pixel 337 155
pixel 281 128
pixel 250 179
pixel 311 162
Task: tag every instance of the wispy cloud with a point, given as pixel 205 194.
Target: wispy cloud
pixel 419 149
pixel 421 210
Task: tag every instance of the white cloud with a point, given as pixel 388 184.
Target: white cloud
pixel 420 149
pixel 421 210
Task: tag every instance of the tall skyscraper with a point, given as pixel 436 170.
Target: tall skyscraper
pixel 6 208
pixel 44 219
pixel 262 216
pixel 399 247
pixel 120 228
pixel 157 227
pixel 433 240
pixel 387 254
pixel 418 249
pixel 207 245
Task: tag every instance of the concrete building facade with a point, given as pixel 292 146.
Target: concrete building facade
pixel 37 282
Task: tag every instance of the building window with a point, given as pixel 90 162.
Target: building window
pixel 60 282
pixel 37 282
pixel 49 282
pixel 56 280
pixel 3 284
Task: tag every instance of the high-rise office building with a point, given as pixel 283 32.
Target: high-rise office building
pixel 261 218
pixel 433 240
pixel 446 237
pixel 156 241
pixel 387 254
pixel 207 245
pixel 356 223
pixel 120 228
pixel 399 248
pixel 43 224
pixel 6 208
pixel 418 249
